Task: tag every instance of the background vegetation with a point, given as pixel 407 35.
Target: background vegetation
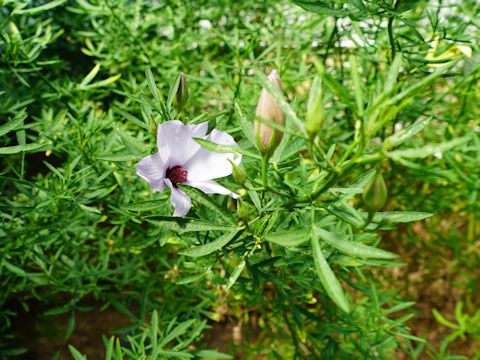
pixel 81 261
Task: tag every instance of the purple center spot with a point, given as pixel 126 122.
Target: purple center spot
pixel 177 175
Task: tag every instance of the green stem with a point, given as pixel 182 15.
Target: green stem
pixel 264 171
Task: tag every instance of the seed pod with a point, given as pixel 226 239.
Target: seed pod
pixel 315 115
pixel 238 174
pixel 375 193
pixel 267 137
pixel 181 97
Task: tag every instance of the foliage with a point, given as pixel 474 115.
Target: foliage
pixel 84 85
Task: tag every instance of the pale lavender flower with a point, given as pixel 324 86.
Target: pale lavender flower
pixel 180 159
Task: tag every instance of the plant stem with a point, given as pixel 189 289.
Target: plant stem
pixel 264 171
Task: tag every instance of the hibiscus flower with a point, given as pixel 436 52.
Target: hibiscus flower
pixel 180 159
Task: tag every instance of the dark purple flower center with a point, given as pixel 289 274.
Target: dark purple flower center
pixel 177 175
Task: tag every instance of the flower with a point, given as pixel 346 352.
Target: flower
pixel 180 159
pixel 267 137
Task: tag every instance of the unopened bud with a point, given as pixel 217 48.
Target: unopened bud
pixel 315 115
pixel 267 137
pixel 242 210
pixel 181 97
pixel 375 193
pixel 238 174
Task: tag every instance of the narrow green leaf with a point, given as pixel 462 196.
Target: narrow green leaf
pixel 292 238
pixel 109 348
pixel 119 158
pixel 203 198
pixel 70 326
pixel 327 277
pixel 321 7
pixel 145 205
pixel 173 91
pixel 235 274
pixel 428 150
pixel 151 83
pixel 190 279
pixel 9 150
pixel 39 9
pixel 184 224
pixel 212 354
pixel 132 118
pixel 90 76
pixel 210 247
pixel 352 248
pixel 14 123
pixel 393 217
pixel 180 329
pixel 405 134
pixel 225 149
pixel 245 122
pixel 77 355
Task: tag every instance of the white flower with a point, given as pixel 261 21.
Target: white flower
pixel 180 159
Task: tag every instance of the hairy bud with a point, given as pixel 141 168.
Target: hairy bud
pixel 315 115
pixel 267 137
pixel 242 210
pixel 238 174
pixel 375 193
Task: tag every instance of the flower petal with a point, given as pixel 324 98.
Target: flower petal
pixel 152 169
pixel 207 165
pixel 212 187
pixel 175 143
pixel 180 201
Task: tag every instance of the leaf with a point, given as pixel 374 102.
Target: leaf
pixel 77 355
pixel 180 329
pixel 90 76
pixel 39 9
pixel 212 354
pixel 14 123
pixel 225 149
pixel 428 150
pixel 320 7
pixel 393 217
pixel 132 118
pixel 350 247
pixel 327 277
pixel 9 150
pixel 173 90
pixel 184 224
pixel 107 81
pixel 245 122
pixel 289 238
pixel 190 279
pixel 120 157
pixel 210 247
pixel 235 274
pixel 208 202
pixel 151 83
pixel 145 205
pixel 405 134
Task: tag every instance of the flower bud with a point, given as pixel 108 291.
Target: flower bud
pixel 375 193
pixel 267 137
pixel 315 115
pixel 181 97
pixel 242 210
pixel 238 174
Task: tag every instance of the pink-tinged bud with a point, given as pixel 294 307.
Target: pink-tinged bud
pixel 267 137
